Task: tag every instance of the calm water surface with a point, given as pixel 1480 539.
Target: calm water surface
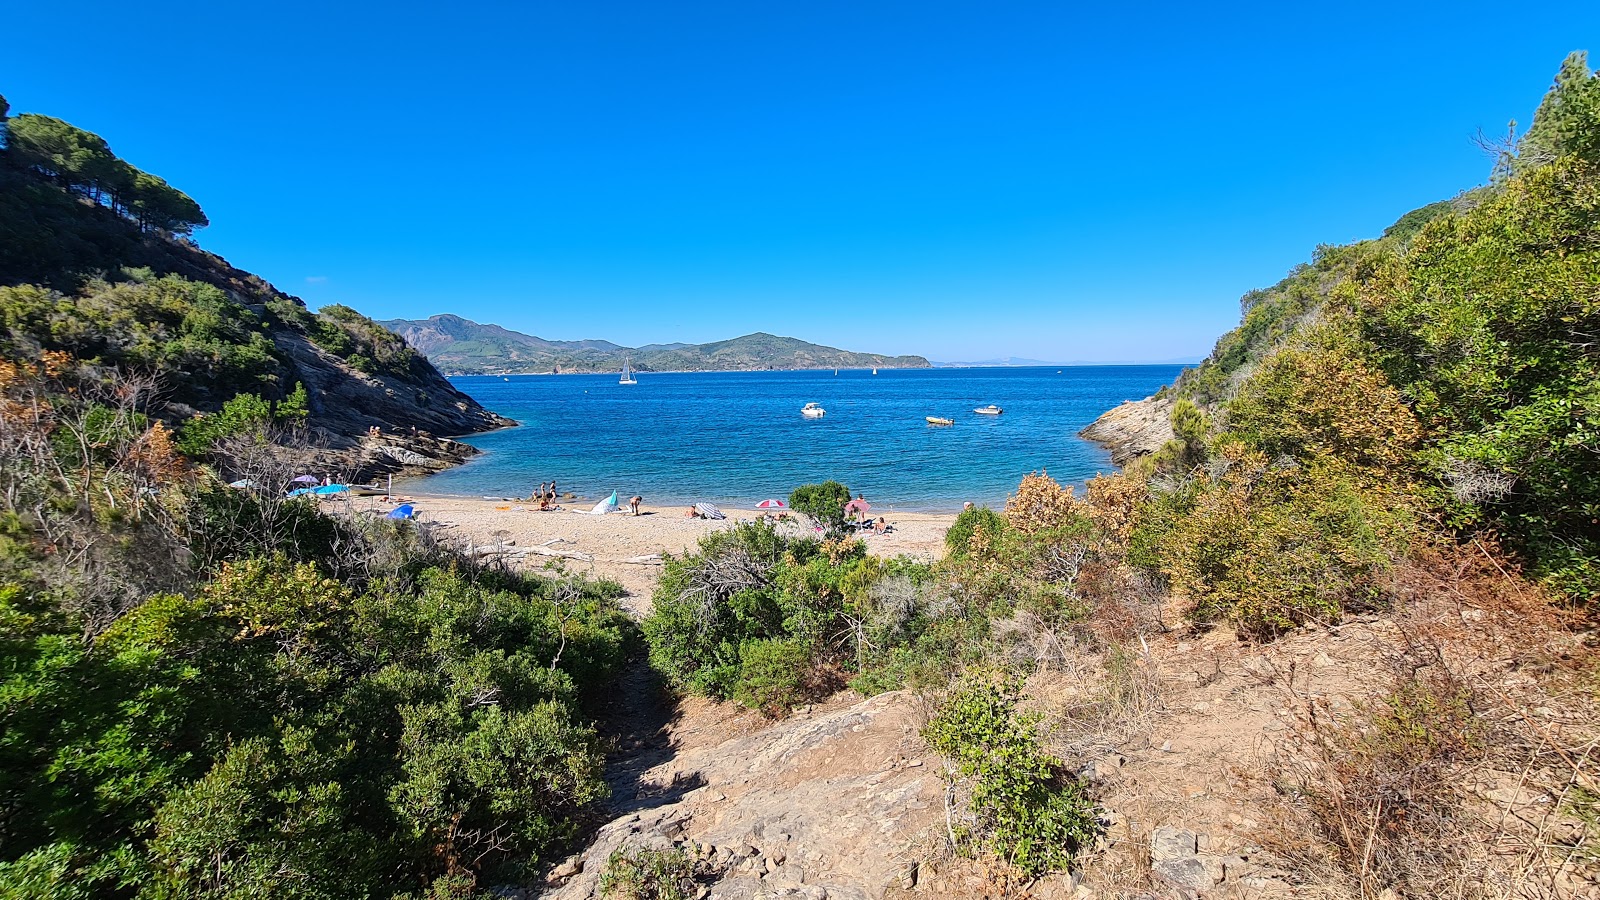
pixel 738 437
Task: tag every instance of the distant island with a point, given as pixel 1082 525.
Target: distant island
pixel 1019 362
pixel 460 346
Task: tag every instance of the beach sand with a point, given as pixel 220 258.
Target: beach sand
pixel 609 541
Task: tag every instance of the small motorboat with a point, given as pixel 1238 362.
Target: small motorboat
pixel 935 420
pixel 812 411
pixel 990 410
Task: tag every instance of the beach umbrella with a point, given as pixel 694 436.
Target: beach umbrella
pixel 298 492
pixel 772 504
pixel 330 489
pixel 403 511
pixel 709 511
pixel 609 504
pixel 857 505
pixel 304 479
pixel 242 483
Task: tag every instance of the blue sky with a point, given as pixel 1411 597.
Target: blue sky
pixel 959 180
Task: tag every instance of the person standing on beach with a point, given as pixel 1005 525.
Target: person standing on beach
pixel 633 503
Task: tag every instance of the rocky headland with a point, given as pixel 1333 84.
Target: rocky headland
pixel 1134 429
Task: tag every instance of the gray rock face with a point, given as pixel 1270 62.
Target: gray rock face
pixel 1172 843
pixel 1132 430
pixel 807 808
pixel 1188 873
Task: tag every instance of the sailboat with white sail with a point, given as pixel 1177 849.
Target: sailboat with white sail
pixel 627 372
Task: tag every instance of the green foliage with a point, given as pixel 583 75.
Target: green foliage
pixel 772 675
pixel 1319 400
pixel 1269 547
pixel 81 162
pixel 1030 813
pixel 1487 328
pixel 286 734
pixel 364 344
pixel 1412 222
pixel 772 621
pixel 1567 122
pixel 824 505
pixel 245 414
pixel 648 875
pixel 182 332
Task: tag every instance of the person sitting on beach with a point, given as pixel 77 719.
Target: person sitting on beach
pixel 691 513
pixel 881 526
pixel 633 503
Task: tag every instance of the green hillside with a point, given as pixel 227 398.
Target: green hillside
pixel 462 347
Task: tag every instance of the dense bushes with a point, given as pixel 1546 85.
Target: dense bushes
pixel 287 734
pixel 216 692
pixel 364 344
pixel 178 331
pixel 771 620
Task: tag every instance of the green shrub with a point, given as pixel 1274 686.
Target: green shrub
pixel 1270 547
pixel 773 675
pixel 1030 812
pixel 648 875
pixel 823 504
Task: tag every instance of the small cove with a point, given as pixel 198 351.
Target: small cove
pixel 738 437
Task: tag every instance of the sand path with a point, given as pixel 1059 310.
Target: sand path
pixel 602 546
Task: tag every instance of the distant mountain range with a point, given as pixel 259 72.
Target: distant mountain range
pixel 460 346
pixel 1020 362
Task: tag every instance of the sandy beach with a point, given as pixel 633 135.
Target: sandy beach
pixel 619 546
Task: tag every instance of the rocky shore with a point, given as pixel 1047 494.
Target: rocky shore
pixel 1134 429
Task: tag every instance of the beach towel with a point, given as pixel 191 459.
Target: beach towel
pixel 709 511
pixel 604 506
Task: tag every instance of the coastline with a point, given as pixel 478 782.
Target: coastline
pixel 612 546
pixel 449 375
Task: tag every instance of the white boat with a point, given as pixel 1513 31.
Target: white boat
pixel 935 420
pixel 812 411
pixel 990 410
pixel 874 371
pixel 627 373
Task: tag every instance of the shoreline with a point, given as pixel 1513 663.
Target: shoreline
pixel 637 372
pixel 616 546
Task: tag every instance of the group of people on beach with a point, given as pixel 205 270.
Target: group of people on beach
pixel 546 495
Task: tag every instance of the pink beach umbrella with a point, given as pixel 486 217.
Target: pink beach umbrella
pixel 857 506
pixel 772 504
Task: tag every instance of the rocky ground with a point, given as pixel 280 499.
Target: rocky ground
pixel 1196 749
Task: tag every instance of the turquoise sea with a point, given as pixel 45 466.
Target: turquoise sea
pixel 738 437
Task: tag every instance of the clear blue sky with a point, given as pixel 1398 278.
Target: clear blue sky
pixel 959 180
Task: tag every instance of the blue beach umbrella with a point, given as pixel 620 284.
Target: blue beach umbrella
pixel 298 492
pixel 329 489
pixel 403 511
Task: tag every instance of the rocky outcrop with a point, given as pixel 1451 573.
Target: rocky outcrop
pixel 347 403
pixel 818 806
pixel 1134 429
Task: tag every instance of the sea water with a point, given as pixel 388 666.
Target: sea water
pixel 737 438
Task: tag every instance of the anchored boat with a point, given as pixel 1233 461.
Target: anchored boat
pixel 812 411
pixel 990 410
pixel 935 420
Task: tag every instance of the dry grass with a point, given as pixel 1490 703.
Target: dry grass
pixel 1465 777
